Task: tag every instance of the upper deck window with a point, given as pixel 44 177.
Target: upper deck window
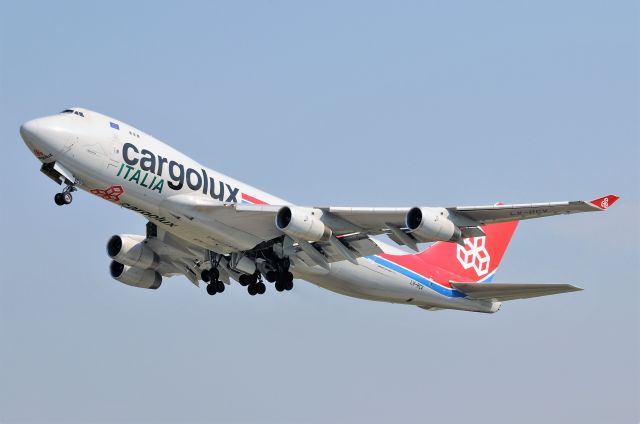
pixel 67 111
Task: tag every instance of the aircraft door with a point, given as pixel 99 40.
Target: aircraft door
pixel 115 156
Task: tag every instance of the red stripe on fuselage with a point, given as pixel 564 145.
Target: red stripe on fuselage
pixel 253 199
pixel 433 272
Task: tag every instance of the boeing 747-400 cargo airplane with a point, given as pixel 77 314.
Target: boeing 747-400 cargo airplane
pixel 212 228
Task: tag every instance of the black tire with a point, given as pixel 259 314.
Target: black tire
pixel 244 280
pixel 205 276
pixel 252 289
pixel 58 199
pixel 288 285
pixel 270 276
pixel 261 288
pixel 67 198
pixel 215 274
pixel 211 289
pixel 289 276
pixel 279 286
pixel 219 286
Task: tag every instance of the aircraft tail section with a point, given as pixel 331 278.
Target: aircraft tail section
pixel 474 259
pixel 507 291
pixel 456 269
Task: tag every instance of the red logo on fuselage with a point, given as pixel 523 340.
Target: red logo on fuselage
pixel 112 193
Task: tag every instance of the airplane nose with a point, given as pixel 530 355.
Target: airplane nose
pixel 29 130
pixel 45 136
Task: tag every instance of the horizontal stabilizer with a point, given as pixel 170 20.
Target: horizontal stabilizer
pixel 509 291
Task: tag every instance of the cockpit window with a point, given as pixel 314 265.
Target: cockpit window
pixel 75 112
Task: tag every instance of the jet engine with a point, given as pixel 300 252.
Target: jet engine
pixel 136 277
pixel 302 223
pixel 432 224
pixel 132 250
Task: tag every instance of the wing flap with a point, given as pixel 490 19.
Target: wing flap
pixel 510 291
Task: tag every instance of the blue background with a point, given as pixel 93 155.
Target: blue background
pixel 339 103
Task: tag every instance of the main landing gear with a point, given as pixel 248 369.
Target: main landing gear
pixel 253 283
pixel 278 273
pixel 281 275
pixel 65 198
pixel 283 280
pixel 211 276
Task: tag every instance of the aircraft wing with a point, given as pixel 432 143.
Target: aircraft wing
pixel 503 213
pixel 469 219
pixel 376 218
pixel 344 235
pixel 350 227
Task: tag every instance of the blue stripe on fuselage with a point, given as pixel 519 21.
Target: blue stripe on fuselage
pixel 445 291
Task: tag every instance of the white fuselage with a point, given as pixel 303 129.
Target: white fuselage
pixel 103 153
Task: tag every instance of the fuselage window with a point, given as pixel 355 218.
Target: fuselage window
pixel 67 111
pixel 78 113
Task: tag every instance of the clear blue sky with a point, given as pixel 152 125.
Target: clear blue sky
pixel 333 103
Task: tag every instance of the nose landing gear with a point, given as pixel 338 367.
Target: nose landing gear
pixel 65 198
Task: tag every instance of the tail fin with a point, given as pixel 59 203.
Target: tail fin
pixel 475 260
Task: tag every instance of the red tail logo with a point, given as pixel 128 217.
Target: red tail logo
pixel 474 255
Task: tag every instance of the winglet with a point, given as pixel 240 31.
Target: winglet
pixel 604 202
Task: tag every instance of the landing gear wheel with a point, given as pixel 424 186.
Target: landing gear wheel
pixel 252 289
pixel 279 286
pixel 214 273
pixel 211 289
pixel 261 288
pixel 67 198
pixel 288 285
pixel 219 286
pixel 288 277
pixel 244 280
pixel 205 276
pixel 271 276
pixel 58 199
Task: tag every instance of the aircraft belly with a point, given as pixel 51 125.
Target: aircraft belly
pixel 366 281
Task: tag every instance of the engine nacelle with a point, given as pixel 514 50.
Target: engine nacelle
pixel 432 224
pixel 302 223
pixel 136 277
pixel 131 250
